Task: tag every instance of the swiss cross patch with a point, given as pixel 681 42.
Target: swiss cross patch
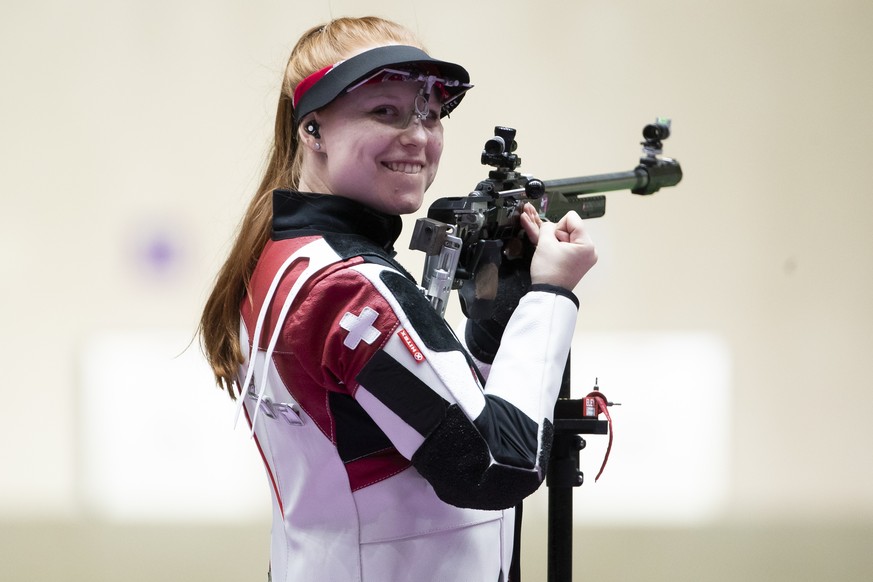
pixel 410 345
pixel 360 327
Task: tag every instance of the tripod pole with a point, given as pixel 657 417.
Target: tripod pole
pixel 560 520
pixel 560 534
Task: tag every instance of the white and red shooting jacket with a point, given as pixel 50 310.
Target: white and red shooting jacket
pixel 389 455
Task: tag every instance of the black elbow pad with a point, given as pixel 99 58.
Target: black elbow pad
pixel 456 461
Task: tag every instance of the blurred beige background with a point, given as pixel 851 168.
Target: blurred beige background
pixel 133 133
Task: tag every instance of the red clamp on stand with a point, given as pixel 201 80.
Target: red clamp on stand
pixel 596 404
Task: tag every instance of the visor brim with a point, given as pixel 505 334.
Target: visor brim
pixel 353 70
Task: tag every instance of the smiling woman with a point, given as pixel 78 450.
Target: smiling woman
pixel 374 147
pixel 387 444
pixel 380 139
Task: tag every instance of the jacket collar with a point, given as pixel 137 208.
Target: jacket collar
pixel 301 213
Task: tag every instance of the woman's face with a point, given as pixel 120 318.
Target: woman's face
pixel 375 149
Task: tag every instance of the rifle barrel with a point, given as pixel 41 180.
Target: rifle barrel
pixel 600 183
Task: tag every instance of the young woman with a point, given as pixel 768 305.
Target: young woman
pixel 389 454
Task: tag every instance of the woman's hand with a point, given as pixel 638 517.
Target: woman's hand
pixel 564 251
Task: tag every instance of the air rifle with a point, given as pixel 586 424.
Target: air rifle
pixel 467 238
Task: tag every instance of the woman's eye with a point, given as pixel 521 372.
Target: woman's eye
pixel 385 111
pixel 434 117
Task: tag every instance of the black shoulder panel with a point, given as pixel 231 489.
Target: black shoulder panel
pixel 352 245
pixel 430 326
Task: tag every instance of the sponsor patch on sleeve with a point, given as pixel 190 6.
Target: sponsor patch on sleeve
pixel 410 345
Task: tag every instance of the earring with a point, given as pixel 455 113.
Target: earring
pixel 317 146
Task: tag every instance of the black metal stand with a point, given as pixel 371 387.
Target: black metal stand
pixel 563 475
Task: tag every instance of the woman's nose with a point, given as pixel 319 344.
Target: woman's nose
pixel 414 132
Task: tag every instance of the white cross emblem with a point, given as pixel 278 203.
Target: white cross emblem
pixel 360 327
